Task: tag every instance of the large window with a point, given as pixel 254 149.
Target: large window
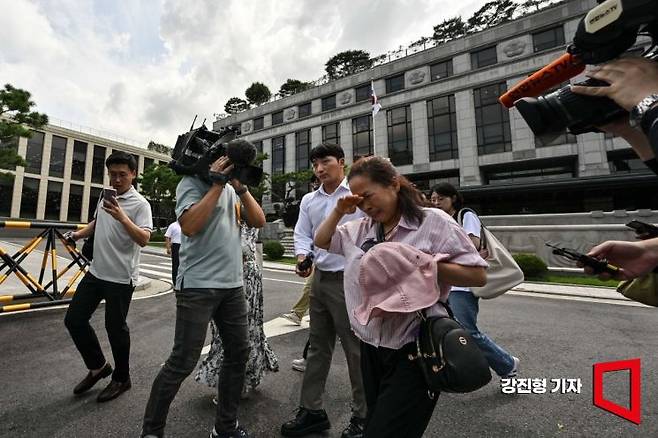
pixel 57 156
pixel 10 143
pixel 441 70
pixel 442 128
pixel 79 161
pixel 331 133
pixel 75 203
pixel 549 38
pixel 329 102
pixel 395 83
pixel 362 92
pixel 277 118
pixel 399 135
pixel 302 149
pixel 148 162
pixel 94 199
pixel 626 161
pixel 29 198
pixel 6 193
pixel 258 123
pixel 304 110
pixel 53 200
pixel 34 152
pixel 484 57
pixel 491 120
pixel 98 165
pixel 362 136
pixel 278 167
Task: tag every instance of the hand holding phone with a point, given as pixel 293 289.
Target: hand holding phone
pixel 598 266
pixel 110 195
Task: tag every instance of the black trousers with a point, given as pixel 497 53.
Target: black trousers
pixel 88 296
pixel 396 393
pixel 175 260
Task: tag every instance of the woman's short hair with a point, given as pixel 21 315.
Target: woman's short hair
pixel 380 171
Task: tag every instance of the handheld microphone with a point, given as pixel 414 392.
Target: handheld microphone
pixel 563 68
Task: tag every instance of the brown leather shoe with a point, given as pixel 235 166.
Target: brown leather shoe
pixel 90 380
pixel 113 390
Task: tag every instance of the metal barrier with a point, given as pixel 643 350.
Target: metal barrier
pixel 51 291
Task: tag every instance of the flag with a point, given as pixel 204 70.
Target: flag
pixel 376 106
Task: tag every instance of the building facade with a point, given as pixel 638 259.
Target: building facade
pixel 441 121
pixel 64 176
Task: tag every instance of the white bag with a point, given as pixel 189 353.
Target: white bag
pixel 503 272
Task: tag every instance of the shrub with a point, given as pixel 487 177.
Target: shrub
pixel 531 265
pixel 273 249
pixel 157 236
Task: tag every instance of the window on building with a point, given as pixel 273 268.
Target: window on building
pixel 362 136
pixel 258 123
pixel 483 57
pixel 57 156
pixel 399 135
pixel 362 93
pixel 331 133
pixel 395 83
pixel 534 171
pixel 441 70
pixel 329 102
pixel 442 128
pixel 491 120
pixel 304 110
pixel 34 152
pixel 148 162
pixel 425 181
pixel 302 149
pixel 277 118
pixel 94 199
pixel 98 165
pixel 278 167
pixel 259 146
pixel 53 200
pixel 6 194
pixel 626 161
pixel 79 161
pixel 29 198
pixel 75 203
pixel 549 38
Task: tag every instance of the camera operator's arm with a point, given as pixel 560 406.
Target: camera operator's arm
pixel 634 258
pixel 195 218
pixel 630 79
pixel 255 215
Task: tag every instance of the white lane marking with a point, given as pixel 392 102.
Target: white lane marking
pixel 576 298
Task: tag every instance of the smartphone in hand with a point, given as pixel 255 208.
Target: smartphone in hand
pixel 109 194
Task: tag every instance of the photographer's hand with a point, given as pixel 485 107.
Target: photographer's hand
pixel 222 165
pixel 634 258
pixel 630 79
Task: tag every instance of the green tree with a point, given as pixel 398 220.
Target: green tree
pixel 158 147
pixel 293 86
pixel 235 105
pixel 347 63
pixel 258 93
pixel 285 183
pixel 449 29
pixel 491 14
pixel 528 6
pixel 158 184
pixel 16 120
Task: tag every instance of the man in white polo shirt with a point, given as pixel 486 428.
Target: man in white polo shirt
pixel 122 225
pixel 172 240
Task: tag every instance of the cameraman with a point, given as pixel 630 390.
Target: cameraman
pixel 209 285
pixel 633 86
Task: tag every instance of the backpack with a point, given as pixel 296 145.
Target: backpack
pixel 503 272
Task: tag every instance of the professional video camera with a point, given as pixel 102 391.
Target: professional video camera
pixel 606 32
pixel 197 149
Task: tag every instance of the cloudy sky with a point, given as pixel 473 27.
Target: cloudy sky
pixel 143 69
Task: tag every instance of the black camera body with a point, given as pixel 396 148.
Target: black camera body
pixel 198 148
pixel 555 111
pixel 306 264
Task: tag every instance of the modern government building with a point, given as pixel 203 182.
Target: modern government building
pixel 65 174
pixel 441 121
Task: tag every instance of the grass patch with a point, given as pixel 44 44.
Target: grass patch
pixel 574 279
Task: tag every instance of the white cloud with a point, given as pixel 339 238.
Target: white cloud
pixel 143 69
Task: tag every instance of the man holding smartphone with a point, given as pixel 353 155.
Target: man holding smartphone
pixel 121 225
pixel 209 285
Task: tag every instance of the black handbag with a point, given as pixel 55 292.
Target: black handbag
pixel 448 356
pixel 87 249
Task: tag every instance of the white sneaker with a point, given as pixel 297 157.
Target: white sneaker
pixel 515 369
pixel 299 365
pixel 292 317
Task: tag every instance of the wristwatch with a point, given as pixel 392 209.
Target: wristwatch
pixel 639 110
pixel 219 178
